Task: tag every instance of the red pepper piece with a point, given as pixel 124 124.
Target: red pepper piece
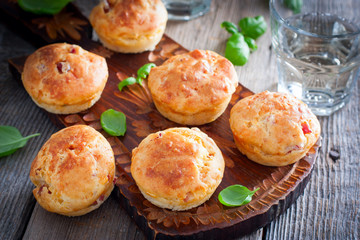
pixel 115 179
pixel 101 198
pixel 63 67
pixel 305 128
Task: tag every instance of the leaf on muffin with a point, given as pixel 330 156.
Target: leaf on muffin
pixel 236 195
pixel 241 43
pixel 11 140
pixel 113 122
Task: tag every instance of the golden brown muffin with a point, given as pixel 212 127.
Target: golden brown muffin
pixel 73 171
pixel 64 78
pixel 178 168
pixel 273 129
pixel 193 88
pixel 129 26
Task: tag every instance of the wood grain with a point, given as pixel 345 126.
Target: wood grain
pixel 328 209
pixel 330 206
pixel 279 186
pixel 17 109
pixel 103 224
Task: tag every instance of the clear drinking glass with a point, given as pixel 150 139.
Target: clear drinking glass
pixel 317 45
pixel 186 9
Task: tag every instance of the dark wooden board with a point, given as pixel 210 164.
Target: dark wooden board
pixel 279 186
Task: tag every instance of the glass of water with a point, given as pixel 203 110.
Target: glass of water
pixel 185 10
pixel 317 46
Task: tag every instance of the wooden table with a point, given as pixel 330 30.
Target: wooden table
pixel 328 209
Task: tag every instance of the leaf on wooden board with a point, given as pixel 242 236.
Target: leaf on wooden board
pixel 138 95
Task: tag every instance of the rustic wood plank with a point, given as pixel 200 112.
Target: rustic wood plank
pixel 38 214
pixel 206 33
pixel 329 208
pixel 265 206
pixel 17 109
pixel 335 213
pixel 109 222
pixel 248 228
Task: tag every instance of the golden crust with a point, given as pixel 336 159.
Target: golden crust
pixel 193 88
pixel 64 78
pixel 273 129
pixel 129 26
pixel 73 171
pixel 179 168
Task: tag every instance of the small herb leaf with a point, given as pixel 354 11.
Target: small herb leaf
pixel 236 195
pixel 11 140
pixel 230 27
pixel 43 7
pixel 113 122
pixel 237 50
pixel 144 71
pixel 253 27
pixel 126 82
pixel 251 43
pixel 139 80
pixel 239 44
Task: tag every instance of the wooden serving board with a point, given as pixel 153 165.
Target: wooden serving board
pixel 279 186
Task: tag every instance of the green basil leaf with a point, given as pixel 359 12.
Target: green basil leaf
pixel 139 80
pixel 126 82
pixel 237 50
pixel 113 122
pixel 43 6
pixel 144 71
pixel 253 27
pixel 251 43
pixel 11 140
pixel 236 195
pixel 230 27
pixel 294 5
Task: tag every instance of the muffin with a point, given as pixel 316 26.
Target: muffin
pixel 193 88
pixel 129 26
pixel 178 168
pixel 64 78
pixel 73 171
pixel 273 129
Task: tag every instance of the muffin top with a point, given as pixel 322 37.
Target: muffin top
pixel 193 82
pixel 72 170
pixel 272 126
pixel 178 168
pixel 128 19
pixel 64 74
